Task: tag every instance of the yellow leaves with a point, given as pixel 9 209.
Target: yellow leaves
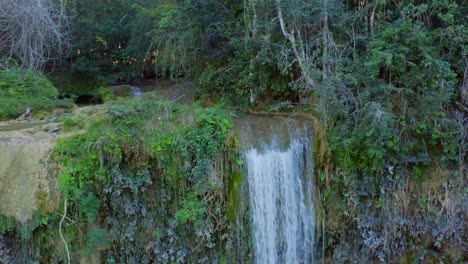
pixel 102 41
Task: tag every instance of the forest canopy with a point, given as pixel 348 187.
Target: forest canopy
pixel 395 65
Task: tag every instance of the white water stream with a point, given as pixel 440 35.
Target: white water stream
pixel 280 189
pixel 136 91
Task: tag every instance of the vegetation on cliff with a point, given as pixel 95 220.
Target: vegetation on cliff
pixel 388 80
pixel 148 176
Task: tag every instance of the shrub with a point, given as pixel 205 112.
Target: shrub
pixel 148 165
pixel 106 94
pixel 23 88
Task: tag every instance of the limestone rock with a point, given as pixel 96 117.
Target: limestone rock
pixel 27 181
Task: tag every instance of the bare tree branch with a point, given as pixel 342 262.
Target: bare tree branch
pixel 299 53
pixel 32 32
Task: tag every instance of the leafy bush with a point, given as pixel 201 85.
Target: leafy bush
pixel 247 74
pixel 149 165
pixel 398 140
pixel 20 89
pixel 106 94
pixel 20 82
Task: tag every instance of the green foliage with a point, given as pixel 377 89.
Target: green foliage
pixel 106 94
pixel 111 44
pixel 393 117
pixel 188 34
pixel 20 89
pixel 91 204
pixel 389 86
pixel 147 166
pixel 259 76
pixel 98 237
pixel 24 231
pixel 34 240
pixel 402 55
pixel 396 113
pixel 370 143
pixel 6 224
pixel 192 210
pixel 18 82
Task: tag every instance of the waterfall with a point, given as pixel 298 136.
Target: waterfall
pixel 279 166
pixel 136 91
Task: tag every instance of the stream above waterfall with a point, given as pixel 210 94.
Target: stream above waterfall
pixel 279 163
pixel 6 126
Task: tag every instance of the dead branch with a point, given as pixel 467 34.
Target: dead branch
pixel 32 32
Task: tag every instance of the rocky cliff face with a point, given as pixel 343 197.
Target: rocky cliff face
pixel 27 182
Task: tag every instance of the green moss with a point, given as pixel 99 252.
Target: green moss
pixel 72 123
pixel 235 183
pixel 25 230
pixel 7 224
pixel 121 90
pixel 106 94
pixel 43 199
pixel 20 82
pixel 148 165
pixel 20 89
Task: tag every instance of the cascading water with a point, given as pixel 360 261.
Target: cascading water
pixel 136 91
pixel 278 157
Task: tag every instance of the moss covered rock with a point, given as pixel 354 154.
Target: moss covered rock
pixel 121 90
pixel 21 89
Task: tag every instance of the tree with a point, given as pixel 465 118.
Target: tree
pixel 32 32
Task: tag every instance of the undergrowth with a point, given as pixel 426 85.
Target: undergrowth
pixel 20 89
pixel 144 183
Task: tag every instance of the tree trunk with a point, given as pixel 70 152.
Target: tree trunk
pixel 253 91
pixel 300 55
pixel 372 20
pixel 325 32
